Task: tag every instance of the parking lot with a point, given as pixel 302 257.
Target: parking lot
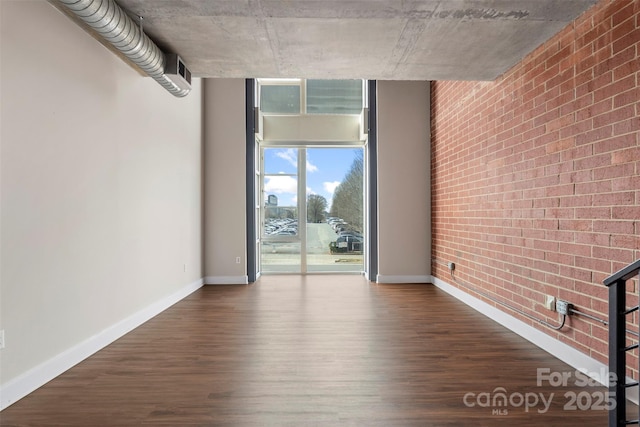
pixel 285 256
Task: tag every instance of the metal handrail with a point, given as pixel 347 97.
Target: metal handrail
pixel 618 312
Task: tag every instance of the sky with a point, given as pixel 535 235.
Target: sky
pixel 326 168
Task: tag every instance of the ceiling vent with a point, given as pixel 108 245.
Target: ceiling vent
pixel 177 72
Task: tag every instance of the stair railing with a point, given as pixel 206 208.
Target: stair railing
pixel 619 315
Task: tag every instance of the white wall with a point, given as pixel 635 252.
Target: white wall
pixel 404 201
pixel 101 188
pixel 404 225
pixel 225 181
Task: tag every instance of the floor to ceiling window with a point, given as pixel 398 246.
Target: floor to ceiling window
pixel 310 171
pixel 312 210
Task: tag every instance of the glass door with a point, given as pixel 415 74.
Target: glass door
pixel 335 219
pixel 281 235
pixel 311 210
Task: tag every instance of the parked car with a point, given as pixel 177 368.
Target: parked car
pixel 348 243
pixel 349 232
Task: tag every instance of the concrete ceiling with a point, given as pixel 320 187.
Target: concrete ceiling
pixel 374 39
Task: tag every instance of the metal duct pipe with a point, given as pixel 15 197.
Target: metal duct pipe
pixel 112 23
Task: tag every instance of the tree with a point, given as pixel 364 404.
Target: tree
pixel 316 207
pixel 347 198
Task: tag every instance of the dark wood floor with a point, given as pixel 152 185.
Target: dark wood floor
pixel 309 351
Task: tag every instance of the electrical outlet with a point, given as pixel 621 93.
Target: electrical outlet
pixel 184 267
pixel 1 339
pixel 451 265
pixel 550 302
pixel 237 260
pixel 563 307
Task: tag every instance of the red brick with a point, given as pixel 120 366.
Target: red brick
pixel 625 12
pixel 558 213
pixel 558 169
pixel 630 96
pixel 611 90
pixel 619 148
pixel 546 117
pixel 608 253
pixel 558 56
pixel 593 263
pixel 626 40
pixel 595 187
pixel 625 35
pixel 548 73
pixel 603 104
pixel 628 241
pixel 593 213
pixel 577 104
pixel 576 225
pixel 559 236
pixel 585 34
pixel 616 171
pixel 578 176
pixel 597 80
pixel 575 249
pixel 614 199
pixel 546 245
pixel 603 42
pixel 625 156
pixel 563 77
pixel 577 153
pixel 561 142
pixel 546 224
pixel 580 200
pixel 625 64
pixel 560 190
pixel 626 212
pixel 534 132
pixel 587 64
pixel 593 161
pixel 614 116
pixel 594 135
pixel 546 266
pixel 581 83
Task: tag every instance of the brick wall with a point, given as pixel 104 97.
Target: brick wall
pixel 536 176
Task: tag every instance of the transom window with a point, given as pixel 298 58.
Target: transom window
pixel 302 96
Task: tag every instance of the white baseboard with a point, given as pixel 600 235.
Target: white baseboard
pixel 226 280
pixel 36 377
pixel 560 350
pixel 380 278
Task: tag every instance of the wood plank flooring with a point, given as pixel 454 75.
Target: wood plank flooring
pixel 310 351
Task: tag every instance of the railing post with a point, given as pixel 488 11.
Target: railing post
pixel 617 355
pixel 618 348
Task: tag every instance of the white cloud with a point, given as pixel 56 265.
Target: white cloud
pixel 330 187
pixel 311 168
pixel 280 185
pixel 291 156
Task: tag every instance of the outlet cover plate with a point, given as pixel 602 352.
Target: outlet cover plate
pixel 550 302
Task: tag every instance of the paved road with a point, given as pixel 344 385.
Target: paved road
pixel 318 238
pixel 286 256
